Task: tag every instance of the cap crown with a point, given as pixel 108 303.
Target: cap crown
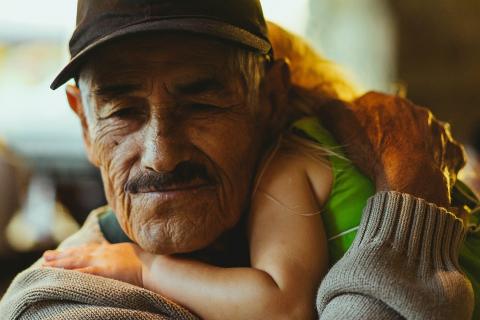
pixel 101 21
pixel 97 18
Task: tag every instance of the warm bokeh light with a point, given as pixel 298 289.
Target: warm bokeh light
pixel 293 15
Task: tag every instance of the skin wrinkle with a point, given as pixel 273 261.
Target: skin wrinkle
pixel 123 176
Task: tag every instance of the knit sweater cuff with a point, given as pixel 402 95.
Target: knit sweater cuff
pixel 405 260
pixel 426 234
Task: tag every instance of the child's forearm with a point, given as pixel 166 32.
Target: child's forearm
pixel 219 293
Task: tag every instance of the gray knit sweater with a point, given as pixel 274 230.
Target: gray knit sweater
pixel 403 264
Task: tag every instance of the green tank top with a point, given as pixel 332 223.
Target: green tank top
pixel 349 195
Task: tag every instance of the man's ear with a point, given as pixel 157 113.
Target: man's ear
pixel 74 98
pixel 276 88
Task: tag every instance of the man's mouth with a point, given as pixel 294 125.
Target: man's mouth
pixel 176 188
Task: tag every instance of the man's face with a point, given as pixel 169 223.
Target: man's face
pixel 175 139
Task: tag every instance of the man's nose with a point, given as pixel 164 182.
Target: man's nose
pixel 164 147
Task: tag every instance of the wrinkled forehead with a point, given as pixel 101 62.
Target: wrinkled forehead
pixel 171 57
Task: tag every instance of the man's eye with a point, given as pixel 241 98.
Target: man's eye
pixel 205 107
pixel 129 112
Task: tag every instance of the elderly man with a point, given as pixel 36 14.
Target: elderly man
pixel 178 101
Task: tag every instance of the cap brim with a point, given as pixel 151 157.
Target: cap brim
pixel 203 26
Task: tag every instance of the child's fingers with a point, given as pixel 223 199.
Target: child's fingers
pixel 51 255
pixel 61 254
pixel 88 270
pixel 67 263
pixel 57 254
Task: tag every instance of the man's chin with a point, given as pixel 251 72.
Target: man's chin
pixel 183 230
pixel 166 245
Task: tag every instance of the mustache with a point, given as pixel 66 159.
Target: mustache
pixel 184 173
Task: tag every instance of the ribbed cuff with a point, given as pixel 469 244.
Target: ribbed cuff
pixel 405 258
pixel 427 234
pixel 358 307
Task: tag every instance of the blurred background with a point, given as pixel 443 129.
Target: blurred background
pixel 47 188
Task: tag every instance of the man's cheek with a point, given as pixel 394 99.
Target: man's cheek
pixel 116 162
pixel 233 152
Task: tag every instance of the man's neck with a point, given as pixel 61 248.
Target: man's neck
pixel 229 250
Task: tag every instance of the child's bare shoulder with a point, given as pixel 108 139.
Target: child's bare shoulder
pixel 288 170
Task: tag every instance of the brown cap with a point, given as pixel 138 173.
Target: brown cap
pixel 101 21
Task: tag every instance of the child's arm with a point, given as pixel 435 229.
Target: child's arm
pixel 288 254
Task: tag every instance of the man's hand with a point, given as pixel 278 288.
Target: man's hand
pixel 402 147
pixel 116 261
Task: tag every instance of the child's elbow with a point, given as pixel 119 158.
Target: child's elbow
pixel 293 310
pixel 302 311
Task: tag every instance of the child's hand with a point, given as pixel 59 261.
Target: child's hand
pixel 116 261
